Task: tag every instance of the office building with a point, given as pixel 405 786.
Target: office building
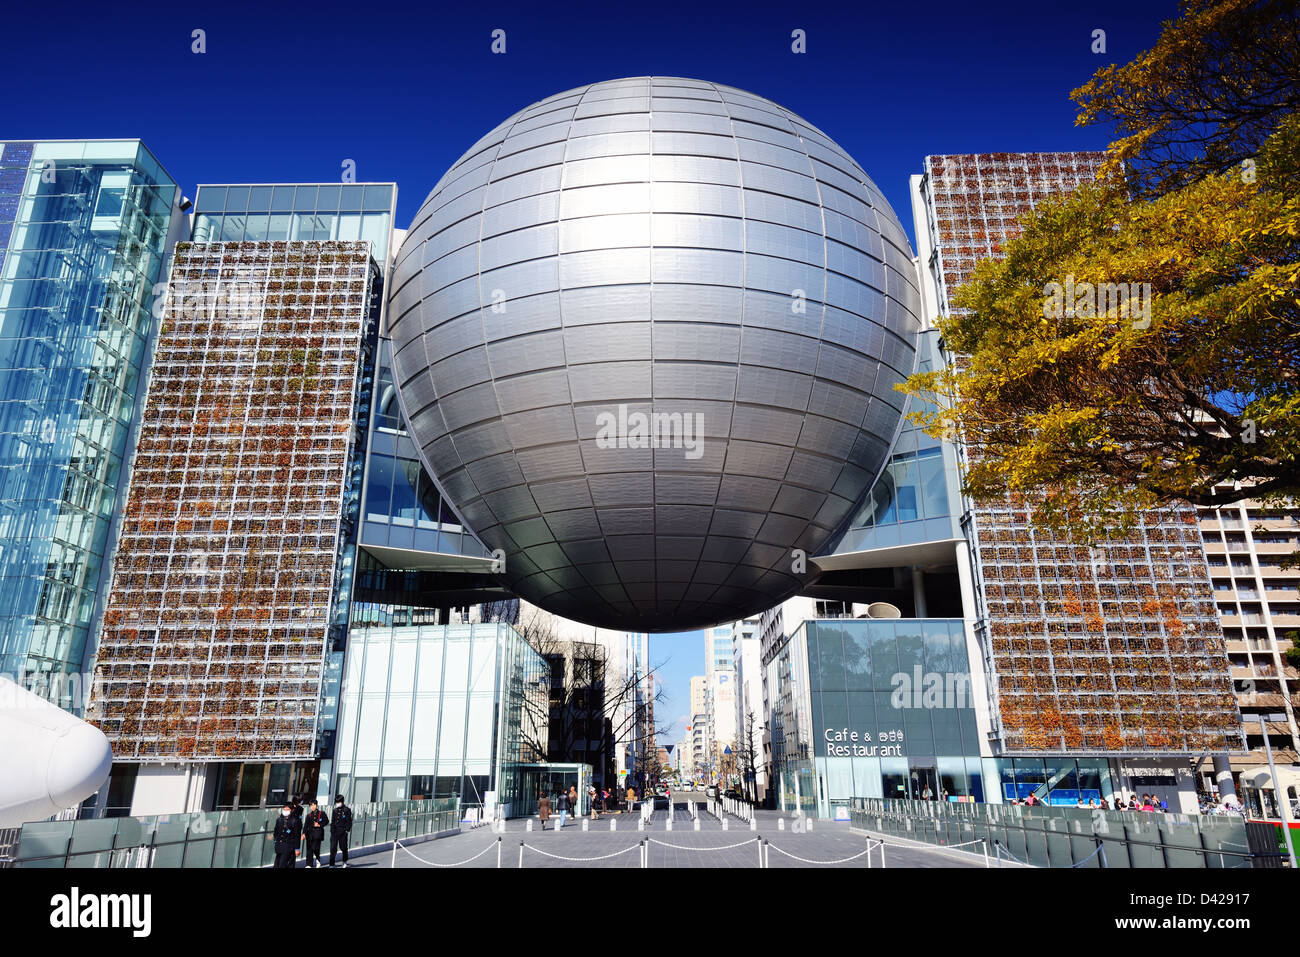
pixel 951 649
pixel 86 229
pixel 239 533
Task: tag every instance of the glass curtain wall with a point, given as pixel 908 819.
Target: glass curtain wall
pixel 917 493
pixel 280 212
pixel 83 238
pixel 403 506
pixel 873 708
pixel 435 711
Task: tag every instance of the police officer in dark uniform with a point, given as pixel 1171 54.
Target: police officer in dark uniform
pixel 340 828
pixel 288 829
pixel 313 832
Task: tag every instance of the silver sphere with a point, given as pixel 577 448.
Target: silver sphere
pixel 646 335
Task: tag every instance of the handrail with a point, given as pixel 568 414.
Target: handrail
pixel 937 823
pixel 399 820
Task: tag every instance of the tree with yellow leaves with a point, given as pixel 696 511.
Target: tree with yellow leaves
pixel 1139 343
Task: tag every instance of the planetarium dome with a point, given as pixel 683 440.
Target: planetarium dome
pixel 646 334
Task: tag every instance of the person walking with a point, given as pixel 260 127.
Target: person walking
pixel 631 799
pixel 313 833
pixel 340 829
pixel 564 809
pixel 592 800
pixel 544 809
pixel 575 805
pixel 287 832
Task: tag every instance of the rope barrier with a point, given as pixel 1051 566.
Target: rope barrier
pixel 560 857
pixel 804 860
pixel 682 847
pixel 1089 857
pixel 1000 850
pixel 457 864
pixel 978 840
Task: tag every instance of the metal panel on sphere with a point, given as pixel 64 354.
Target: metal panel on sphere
pixel 664 252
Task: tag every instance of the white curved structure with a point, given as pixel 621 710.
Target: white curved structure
pixel 49 760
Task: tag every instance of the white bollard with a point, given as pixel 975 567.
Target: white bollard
pixel 807 826
pixel 640 825
pixel 669 826
pixel 697 824
pixel 529 826
pixel 724 823
pixel 613 824
pixel 753 825
pixel 780 824
pixel 584 824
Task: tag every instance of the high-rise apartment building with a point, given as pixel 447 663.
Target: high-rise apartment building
pixel 1258 601
pixel 86 227
pixel 700 763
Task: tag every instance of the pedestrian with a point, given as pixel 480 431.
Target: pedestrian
pixel 592 800
pixel 564 805
pixel 544 809
pixel 340 829
pixel 575 807
pixel 631 799
pixel 313 833
pixel 287 832
pixel 604 799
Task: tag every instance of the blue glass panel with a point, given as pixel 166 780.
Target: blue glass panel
pixel 282 199
pixel 350 198
pixel 211 198
pixel 379 197
pixel 328 199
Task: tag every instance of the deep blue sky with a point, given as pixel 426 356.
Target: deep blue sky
pixel 288 95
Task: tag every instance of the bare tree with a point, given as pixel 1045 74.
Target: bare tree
pixel 747 759
pixel 588 712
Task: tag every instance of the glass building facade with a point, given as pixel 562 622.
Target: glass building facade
pixel 917 497
pixel 84 230
pixel 404 508
pixel 283 212
pixel 872 708
pixel 439 711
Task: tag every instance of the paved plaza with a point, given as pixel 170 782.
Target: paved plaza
pixel 828 844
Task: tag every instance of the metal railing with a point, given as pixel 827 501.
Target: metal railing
pixel 8 845
pixel 213 839
pixel 1045 836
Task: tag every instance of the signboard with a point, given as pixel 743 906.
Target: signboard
pixel 845 743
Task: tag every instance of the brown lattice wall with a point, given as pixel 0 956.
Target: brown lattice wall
pixel 214 634
pixel 1109 649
